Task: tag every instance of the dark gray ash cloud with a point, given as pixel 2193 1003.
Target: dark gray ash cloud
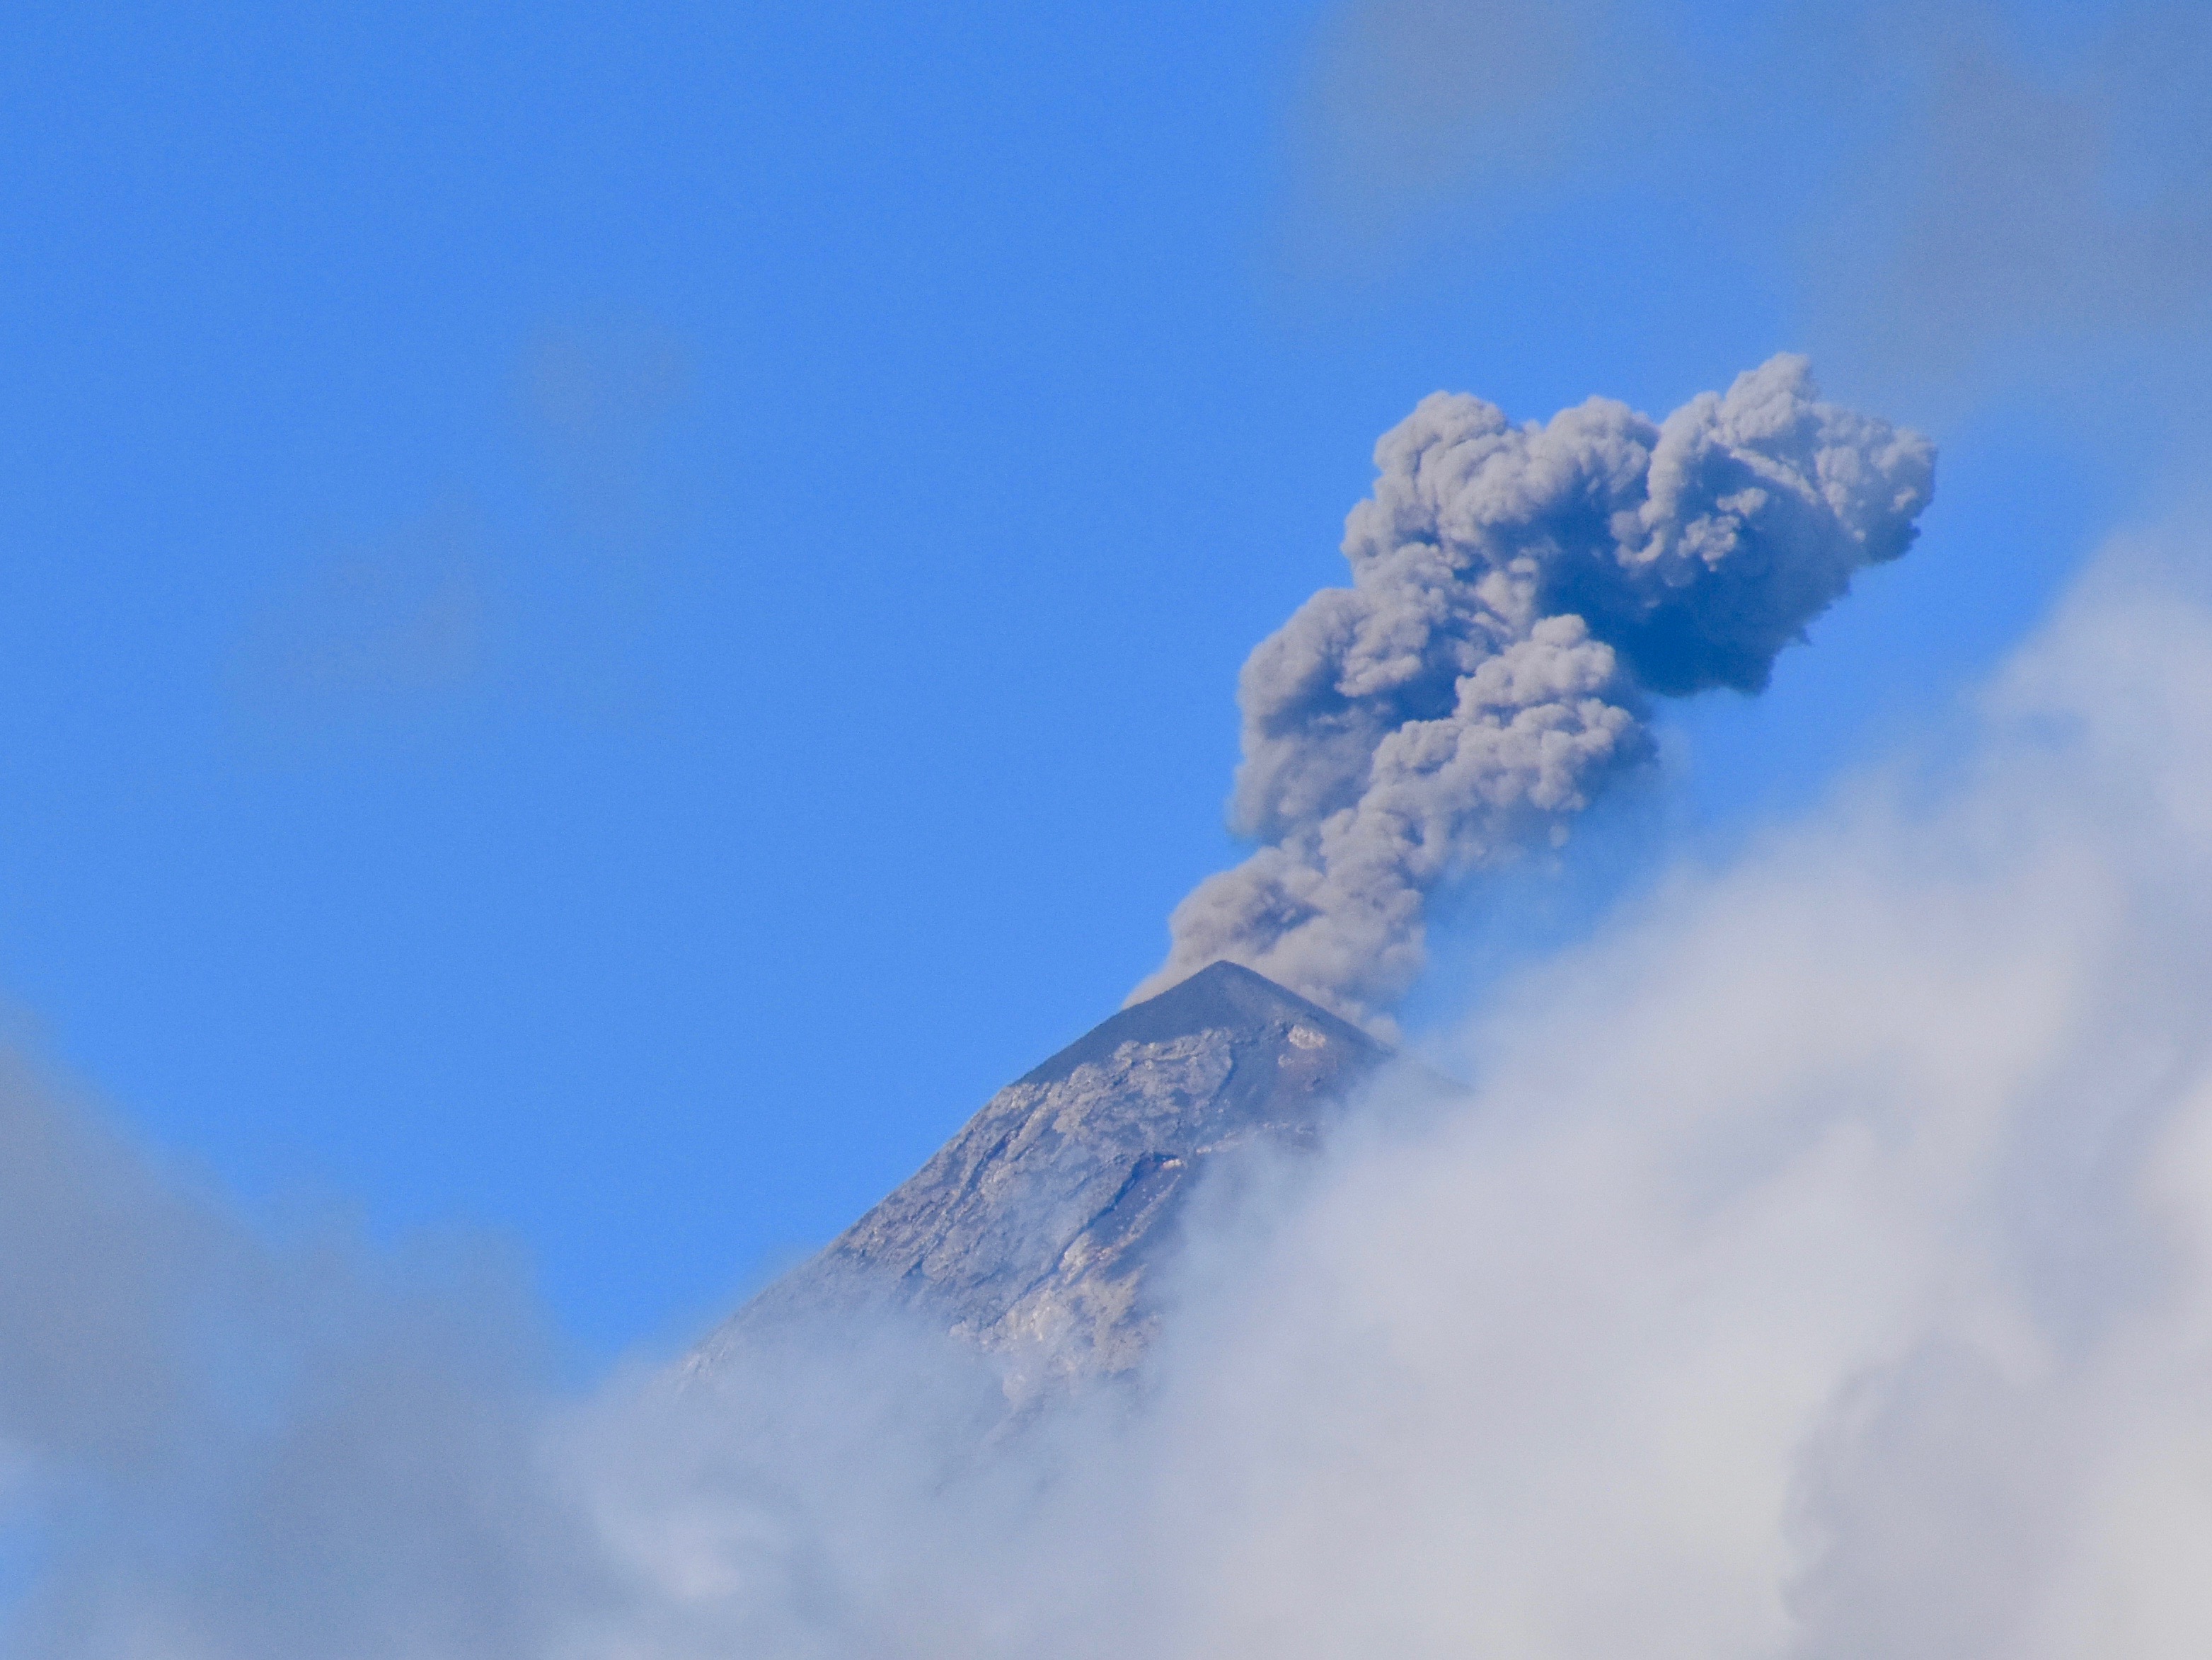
pixel 1518 593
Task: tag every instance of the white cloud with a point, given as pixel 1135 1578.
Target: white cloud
pixel 1821 1267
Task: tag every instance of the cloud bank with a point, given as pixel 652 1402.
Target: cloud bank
pixel 1820 1267
pixel 1824 1269
pixel 1517 591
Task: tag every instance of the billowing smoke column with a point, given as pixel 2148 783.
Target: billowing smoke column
pixel 1517 593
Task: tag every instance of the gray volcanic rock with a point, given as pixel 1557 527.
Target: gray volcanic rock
pixel 1031 1233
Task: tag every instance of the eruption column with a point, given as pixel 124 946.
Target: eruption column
pixel 1518 594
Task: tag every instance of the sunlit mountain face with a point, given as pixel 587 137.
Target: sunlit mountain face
pixel 1040 1233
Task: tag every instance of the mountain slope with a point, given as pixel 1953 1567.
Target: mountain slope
pixel 1032 1230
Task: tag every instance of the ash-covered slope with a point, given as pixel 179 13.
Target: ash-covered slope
pixel 1030 1232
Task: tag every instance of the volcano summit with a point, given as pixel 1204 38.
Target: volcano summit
pixel 1037 1231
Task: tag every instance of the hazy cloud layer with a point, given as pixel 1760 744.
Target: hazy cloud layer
pixel 383 630
pixel 436 622
pixel 1516 591
pixel 1408 101
pixel 2029 196
pixel 1972 190
pixel 211 1448
pixel 1821 1269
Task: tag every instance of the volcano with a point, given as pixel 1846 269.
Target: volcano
pixel 1037 1231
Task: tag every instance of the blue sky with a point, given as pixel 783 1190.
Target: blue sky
pixel 614 614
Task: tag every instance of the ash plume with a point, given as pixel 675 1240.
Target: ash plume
pixel 1519 594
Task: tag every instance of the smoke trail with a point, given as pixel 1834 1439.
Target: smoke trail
pixel 1517 591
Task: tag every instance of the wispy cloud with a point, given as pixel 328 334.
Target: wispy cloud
pixel 1974 194
pixel 375 631
pixel 403 628
pixel 2023 201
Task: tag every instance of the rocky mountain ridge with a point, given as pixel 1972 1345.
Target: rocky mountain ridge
pixel 1037 1231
